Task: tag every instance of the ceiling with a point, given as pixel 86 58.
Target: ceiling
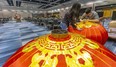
pixel 46 4
pixel 32 4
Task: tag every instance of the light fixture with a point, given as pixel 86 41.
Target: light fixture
pixel 99 1
pixel 18 10
pixel 93 2
pixel 52 11
pixel 40 12
pixel 4 10
pixel 25 10
pixel 67 8
pixel 82 4
pixel 62 8
pixel 31 11
pixel 55 10
pixel 89 3
pixel 36 11
pixel 12 10
pixel 58 9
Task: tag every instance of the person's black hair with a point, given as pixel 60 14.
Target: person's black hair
pixel 74 11
pixel 88 10
pixel 73 15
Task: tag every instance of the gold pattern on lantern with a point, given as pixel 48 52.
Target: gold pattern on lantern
pixel 86 24
pixel 71 50
pixel 45 43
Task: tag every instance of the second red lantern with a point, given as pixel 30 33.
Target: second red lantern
pixel 91 30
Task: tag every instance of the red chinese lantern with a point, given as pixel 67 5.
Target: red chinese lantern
pixel 91 30
pixel 62 49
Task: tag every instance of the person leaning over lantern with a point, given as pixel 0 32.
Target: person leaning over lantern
pixel 72 16
pixel 90 27
pixel 90 15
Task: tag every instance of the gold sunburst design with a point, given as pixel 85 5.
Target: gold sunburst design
pixel 62 49
pixel 70 49
pixel 85 24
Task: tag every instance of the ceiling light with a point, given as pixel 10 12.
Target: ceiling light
pixel 4 10
pixel 52 11
pixel 25 10
pixel 55 10
pixel 40 12
pixel 89 3
pixel 67 8
pixel 36 11
pixel 31 11
pixel 17 10
pixel 58 9
pixel 13 10
pixel 99 1
pixel 82 4
pixel 62 8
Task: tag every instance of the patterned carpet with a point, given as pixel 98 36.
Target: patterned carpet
pixel 111 45
pixel 13 35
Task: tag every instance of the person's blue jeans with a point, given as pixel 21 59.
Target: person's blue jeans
pixel 63 26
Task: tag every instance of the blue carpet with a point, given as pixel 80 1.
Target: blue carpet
pixel 13 35
pixel 111 45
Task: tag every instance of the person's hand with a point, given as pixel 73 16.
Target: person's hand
pixel 84 20
pixel 94 21
pixel 74 26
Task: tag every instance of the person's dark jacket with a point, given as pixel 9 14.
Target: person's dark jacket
pixel 68 20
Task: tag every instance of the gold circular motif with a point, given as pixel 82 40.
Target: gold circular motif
pixel 86 24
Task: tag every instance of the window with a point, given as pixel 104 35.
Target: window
pixel 114 15
pixel 100 14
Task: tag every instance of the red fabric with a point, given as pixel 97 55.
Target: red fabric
pixel 96 33
pixel 101 56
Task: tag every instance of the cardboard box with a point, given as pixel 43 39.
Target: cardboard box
pixel 112 24
pixel 112 36
pixel 112 30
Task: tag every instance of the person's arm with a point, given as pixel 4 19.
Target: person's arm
pixel 73 24
pixel 69 21
pixel 66 19
pixel 82 17
pixel 96 18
